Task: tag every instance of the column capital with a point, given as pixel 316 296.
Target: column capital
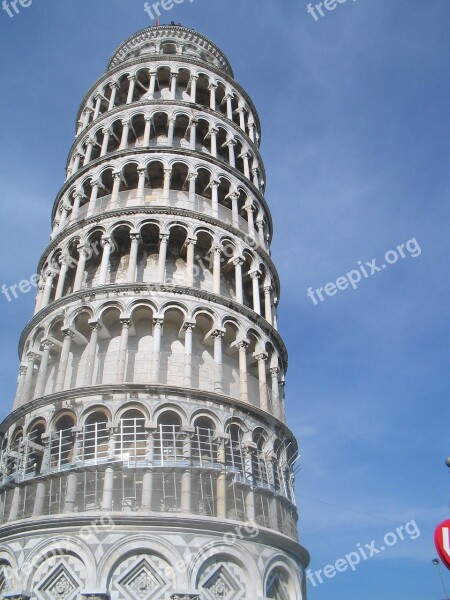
pixel 255 274
pixel 135 235
pixel 218 333
pixel 32 356
pixel 106 130
pixel 214 184
pixel 148 118
pixel 90 141
pixel 190 241
pixel 125 122
pixel 67 332
pixel 261 356
pixel 116 175
pixel 188 326
pixel 274 371
pixel 238 260
pixel 167 172
pixel 231 142
pixel 242 344
pixel 47 344
pixel 164 237
pixel 192 176
pixel 106 241
pixel 268 288
pixel 94 326
pixel 217 250
pixel 132 77
pixel 114 84
pixel 158 322
pixel 213 85
pixel 126 323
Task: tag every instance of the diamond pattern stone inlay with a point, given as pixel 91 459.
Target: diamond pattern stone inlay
pixel 221 585
pixel 143 582
pixel 59 585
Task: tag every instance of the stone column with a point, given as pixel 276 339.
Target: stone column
pixel 171 131
pixel 112 99
pixel 116 188
pixel 238 262
pixel 217 253
pixel 231 154
pixel 268 303
pixel 95 328
pixel 235 209
pixel 122 362
pixel 32 358
pixel 106 134
pixel 251 130
pixel 98 101
pixel 263 398
pixel 250 496
pixel 93 198
pixel 214 185
pixel 147 483
pixel 212 96
pixel 190 251
pixel 104 267
pixel 166 191
pixel 274 373
pixel 242 348
pixel 255 177
pixel 39 297
pixel 76 206
pixel 218 358
pixel 151 89
pixel 193 138
pixel 241 112
pixel 70 500
pixel 156 352
pixel 49 277
pixel 131 86
pixel 260 227
pixel 147 131
pixel 64 267
pixel 108 490
pixel 64 358
pixel 164 240
pixel 173 85
pixel 229 107
pixel 251 225
pixel 194 79
pixel 221 479
pixel 188 335
pixel 186 492
pixel 125 132
pixel 64 216
pixel 255 276
pixel 88 153
pixel 39 499
pixel 134 249
pixel 192 177
pixel 42 376
pixel 214 133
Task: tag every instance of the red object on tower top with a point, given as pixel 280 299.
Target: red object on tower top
pixel 442 541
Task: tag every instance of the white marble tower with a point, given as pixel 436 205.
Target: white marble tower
pixel 147 455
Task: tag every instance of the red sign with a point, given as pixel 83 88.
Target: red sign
pixel 442 541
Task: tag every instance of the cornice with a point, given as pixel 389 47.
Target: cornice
pixel 166 31
pixel 43 526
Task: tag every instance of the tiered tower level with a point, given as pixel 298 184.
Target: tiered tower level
pixel 147 455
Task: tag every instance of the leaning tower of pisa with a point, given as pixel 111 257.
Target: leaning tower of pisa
pixel 147 455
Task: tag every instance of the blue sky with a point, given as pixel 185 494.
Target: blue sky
pixel 356 126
